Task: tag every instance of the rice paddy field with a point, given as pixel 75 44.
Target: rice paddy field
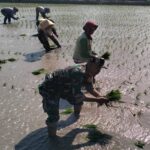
pixel 124 31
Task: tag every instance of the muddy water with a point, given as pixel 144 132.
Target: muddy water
pixel 123 31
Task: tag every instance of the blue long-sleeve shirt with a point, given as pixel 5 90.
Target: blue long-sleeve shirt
pixel 8 12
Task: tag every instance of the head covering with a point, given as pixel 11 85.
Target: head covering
pixel 89 25
pixel 47 10
pixel 44 23
pixel 15 9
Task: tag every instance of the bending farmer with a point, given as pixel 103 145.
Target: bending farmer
pixel 83 49
pixel 67 84
pixel 47 30
pixel 43 11
pixel 9 13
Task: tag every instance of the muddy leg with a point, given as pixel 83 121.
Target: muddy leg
pixel 55 40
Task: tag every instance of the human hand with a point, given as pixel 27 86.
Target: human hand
pixel 103 100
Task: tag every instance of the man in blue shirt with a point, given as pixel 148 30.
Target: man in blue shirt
pixel 9 13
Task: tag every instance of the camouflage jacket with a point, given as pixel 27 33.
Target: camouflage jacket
pixel 66 83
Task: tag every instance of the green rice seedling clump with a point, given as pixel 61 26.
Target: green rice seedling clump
pixel 106 55
pixel 11 59
pixel 139 144
pixel 3 61
pixel 90 126
pixel 39 71
pixel 67 111
pixel 114 95
pixel 22 34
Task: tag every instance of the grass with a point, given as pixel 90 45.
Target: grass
pixel 139 144
pixel 114 95
pixel 106 55
pixel 90 126
pixel 39 71
pixel 67 111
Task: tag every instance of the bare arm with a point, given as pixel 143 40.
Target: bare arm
pixel 100 100
pixel 94 92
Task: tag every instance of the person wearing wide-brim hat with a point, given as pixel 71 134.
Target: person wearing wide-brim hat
pixel 9 13
pixel 83 49
pixel 46 30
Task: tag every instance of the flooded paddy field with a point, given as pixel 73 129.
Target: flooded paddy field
pixel 124 31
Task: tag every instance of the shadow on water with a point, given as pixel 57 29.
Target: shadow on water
pixel 34 56
pixel 38 140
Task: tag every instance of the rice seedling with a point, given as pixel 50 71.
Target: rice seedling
pixel 23 34
pixel 139 144
pixel 106 55
pixel 4 85
pixel 3 61
pixel 0 67
pixel 90 126
pixel 11 59
pixel 39 71
pixel 138 96
pixel 114 95
pixel 67 111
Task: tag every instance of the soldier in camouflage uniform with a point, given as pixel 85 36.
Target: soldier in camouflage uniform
pixel 67 84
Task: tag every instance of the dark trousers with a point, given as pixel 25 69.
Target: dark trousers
pixel 44 40
pixel 6 17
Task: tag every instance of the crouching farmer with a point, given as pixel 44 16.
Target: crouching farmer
pixel 67 84
pixel 9 13
pixel 47 30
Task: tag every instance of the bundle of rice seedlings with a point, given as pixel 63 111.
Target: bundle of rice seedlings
pixel 90 126
pixel 23 34
pixel 67 111
pixel 3 61
pixel 39 71
pixel 11 59
pixel 114 95
pixel 106 55
pixel 139 144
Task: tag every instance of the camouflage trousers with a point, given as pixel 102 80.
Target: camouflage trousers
pixel 50 106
